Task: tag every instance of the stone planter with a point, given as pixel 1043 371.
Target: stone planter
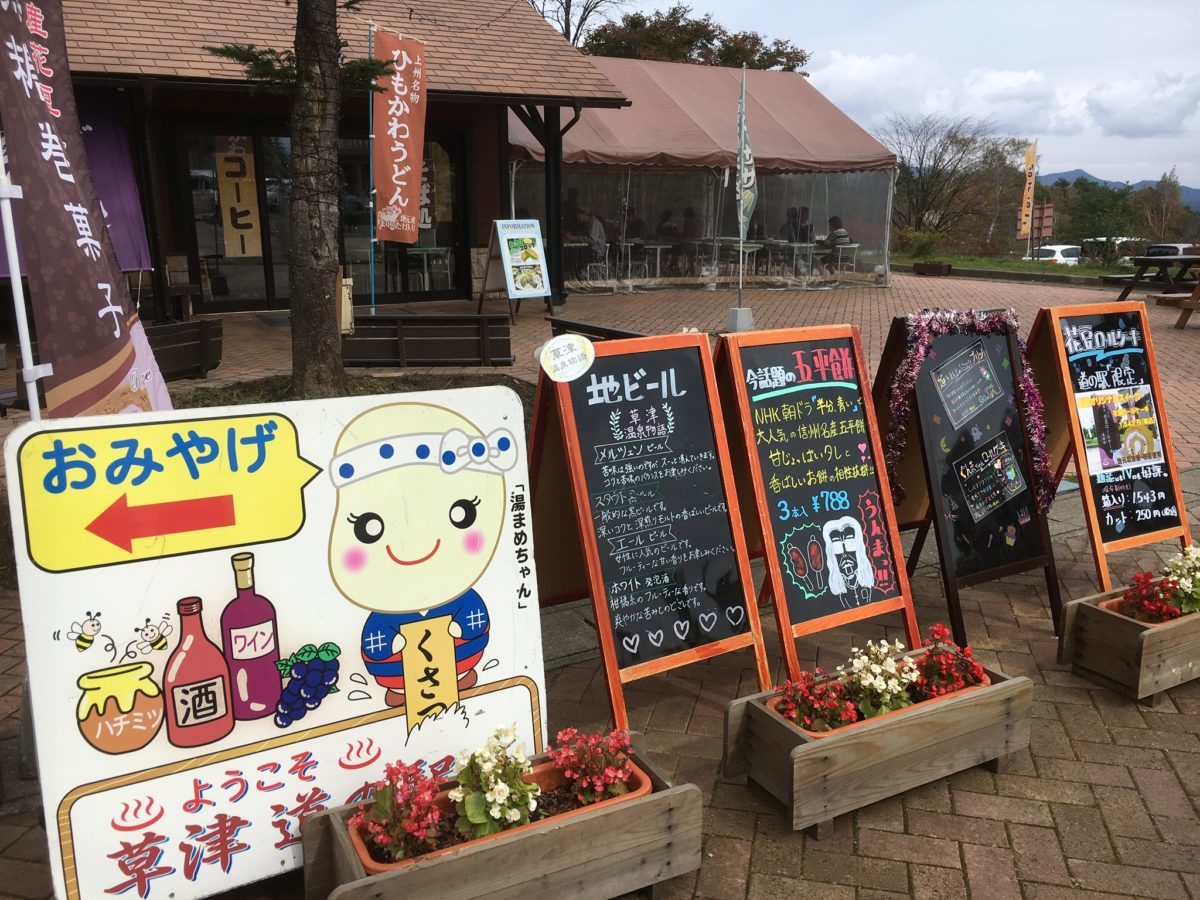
pixel 932 268
pixel 1137 658
pixel 849 768
pixel 604 850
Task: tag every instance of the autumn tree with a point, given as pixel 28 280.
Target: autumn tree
pixel 949 172
pixel 575 17
pixel 315 75
pixel 1159 208
pixel 675 35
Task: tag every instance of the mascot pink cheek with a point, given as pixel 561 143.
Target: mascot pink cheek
pixel 473 542
pixel 354 559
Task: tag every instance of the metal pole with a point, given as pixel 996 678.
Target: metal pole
pixel 371 171
pixel 29 372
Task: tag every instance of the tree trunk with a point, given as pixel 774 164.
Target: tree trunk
pixel 313 253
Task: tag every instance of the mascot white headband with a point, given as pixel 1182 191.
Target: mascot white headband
pixel 451 452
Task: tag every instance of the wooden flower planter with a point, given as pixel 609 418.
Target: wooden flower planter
pixel 847 769
pixel 599 852
pixel 1139 659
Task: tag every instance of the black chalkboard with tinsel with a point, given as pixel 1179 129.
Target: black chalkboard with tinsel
pixel 957 379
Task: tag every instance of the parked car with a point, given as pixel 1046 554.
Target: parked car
pixel 1063 254
pixel 1170 250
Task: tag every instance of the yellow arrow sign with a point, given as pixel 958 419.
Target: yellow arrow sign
pixel 120 493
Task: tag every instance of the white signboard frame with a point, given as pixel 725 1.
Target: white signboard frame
pixel 516 262
pixel 332 498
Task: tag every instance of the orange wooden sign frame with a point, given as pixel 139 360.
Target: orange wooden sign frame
pixel 554 403
pixel 729 360
pixel 1047 328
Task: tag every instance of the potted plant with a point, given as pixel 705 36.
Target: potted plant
pixel 1141 638
pixel 828 743
pixel 475 834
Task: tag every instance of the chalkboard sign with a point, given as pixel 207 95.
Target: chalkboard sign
pixel 979 492
pixel 648 465
pixel 823 504
pixel 979 470
pixel 1119 429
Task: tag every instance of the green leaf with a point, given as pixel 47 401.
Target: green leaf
pixel 463 826
pixel 307 653
pixel 476 808
pixel 333 689
pixel 329 651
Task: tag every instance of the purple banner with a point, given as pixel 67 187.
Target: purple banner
pixel 112 173
pixel 86 327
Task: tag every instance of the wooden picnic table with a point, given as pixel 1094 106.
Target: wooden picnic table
pixel 1187 269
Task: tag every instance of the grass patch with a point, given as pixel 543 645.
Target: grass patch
pixel 277 389
pixel 1013 264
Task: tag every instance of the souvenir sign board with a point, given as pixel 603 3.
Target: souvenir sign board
pixel 234 617
pixel 809 441
pixel 1119 435
pixel 647 464
pixel 979 475
pixel 516 262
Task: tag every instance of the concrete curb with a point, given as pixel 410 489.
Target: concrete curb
pixel 1092 281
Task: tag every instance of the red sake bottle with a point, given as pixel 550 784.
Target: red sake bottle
pixel 196 684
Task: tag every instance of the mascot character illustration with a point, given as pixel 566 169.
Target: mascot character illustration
pixel 420 508
pixel 850 574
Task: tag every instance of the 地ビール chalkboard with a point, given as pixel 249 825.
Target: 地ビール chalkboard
pixel 976 456
pixel 1130 480
pixel 657 502
pixel 820 483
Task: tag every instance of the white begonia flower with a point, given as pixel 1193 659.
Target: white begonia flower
pixel 490 796
pixel 532 804
pixel 513 815
pixel 501 791
pixel 495 812
pixel 876 668
pixel 455 794
pixel 486 766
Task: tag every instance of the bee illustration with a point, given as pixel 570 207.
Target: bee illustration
pixel 84 633
pixel 153 637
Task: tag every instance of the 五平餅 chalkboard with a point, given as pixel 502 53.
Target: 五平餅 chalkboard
pixel 1120 436
pixel 656 509
pixel 964 408
pixel 811 446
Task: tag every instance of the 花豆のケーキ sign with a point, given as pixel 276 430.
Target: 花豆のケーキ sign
pixel 235 617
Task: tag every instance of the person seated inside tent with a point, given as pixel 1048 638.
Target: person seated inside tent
pixel 838 237
pixel 590 230
pixel 754 228
pixel 667 226
pixel 797 229
pixel 635 226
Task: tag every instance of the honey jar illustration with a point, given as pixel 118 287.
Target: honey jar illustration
pixel 121 707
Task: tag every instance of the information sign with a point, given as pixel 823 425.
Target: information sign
pixel 656 514
pixel 235 617
pixel 1109 393
pixel 979 491
pixel 809 442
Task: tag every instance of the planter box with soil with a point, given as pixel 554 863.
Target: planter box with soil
pixel 1138 658
pixel 932 268
pixel 603 850
pixel 822 776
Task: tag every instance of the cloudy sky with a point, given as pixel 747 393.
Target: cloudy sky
pixel 1109 87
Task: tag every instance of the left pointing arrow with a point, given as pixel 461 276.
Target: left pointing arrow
pixel 121 523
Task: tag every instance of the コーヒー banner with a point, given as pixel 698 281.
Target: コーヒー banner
pixel 234 618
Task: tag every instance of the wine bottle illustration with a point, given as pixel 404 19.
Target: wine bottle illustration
pixel 250 638
pixel 199 707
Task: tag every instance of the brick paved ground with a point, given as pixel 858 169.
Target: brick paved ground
pixel 1103 804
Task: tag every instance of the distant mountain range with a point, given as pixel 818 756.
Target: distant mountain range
pixel 1189 195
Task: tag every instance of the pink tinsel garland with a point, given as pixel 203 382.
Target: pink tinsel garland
pixel 922 328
